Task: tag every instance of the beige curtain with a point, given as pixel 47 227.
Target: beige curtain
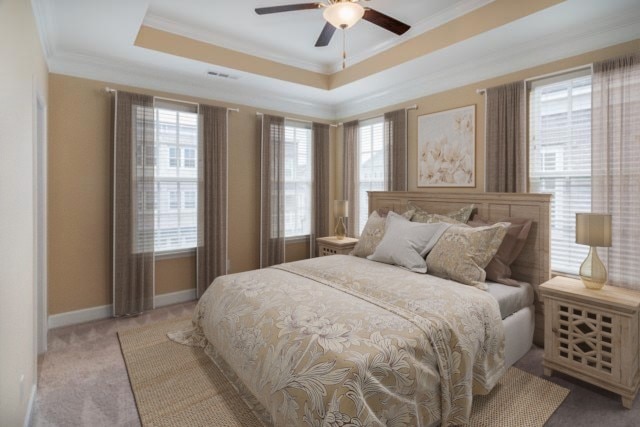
pixel 133 217
pixel 351 174
pixel 395 139
pixel 212 197
pixel 506 145
pixel 616 162
pixel 272 239
pixel 320 193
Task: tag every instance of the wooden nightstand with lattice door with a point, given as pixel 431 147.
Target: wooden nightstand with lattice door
pixel 333 246
pixel 592 335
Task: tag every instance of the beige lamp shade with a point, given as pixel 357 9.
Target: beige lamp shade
pixel 593 229
pixel 343 15
pixel 341 208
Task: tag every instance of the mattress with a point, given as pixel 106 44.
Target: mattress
pixel 511 298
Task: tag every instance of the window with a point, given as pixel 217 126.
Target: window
pixel 560 159
pixel 298 178
pixel 173 157
pixel 176 176
pixel 189 158
pixel 371 164
pixel 189 200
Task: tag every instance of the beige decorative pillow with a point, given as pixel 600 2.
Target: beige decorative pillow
pixel 463 252
pixel 499 268
pixel 460 216
pixel 372 234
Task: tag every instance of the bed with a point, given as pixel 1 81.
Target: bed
pixel 344 341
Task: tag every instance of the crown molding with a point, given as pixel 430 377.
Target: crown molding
pixel 43 15
pixel 449 14
pixel 130 74
pixel 605 32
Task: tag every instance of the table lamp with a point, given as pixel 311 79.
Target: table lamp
pixel 593 230
pixel 340 211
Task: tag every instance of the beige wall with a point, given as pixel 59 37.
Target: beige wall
pixel 23 74
pixel 464 96
pixel 79 197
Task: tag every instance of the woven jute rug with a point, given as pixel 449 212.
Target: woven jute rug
pixel 177 385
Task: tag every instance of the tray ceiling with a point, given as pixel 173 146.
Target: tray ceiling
pixel 447 47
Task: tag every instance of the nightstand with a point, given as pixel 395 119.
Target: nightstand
pixel 332 246
pixel 592 335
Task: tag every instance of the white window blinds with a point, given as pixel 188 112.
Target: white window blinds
pixel 371 158
pixel 298 173
pixel 560 158
pixel 176 176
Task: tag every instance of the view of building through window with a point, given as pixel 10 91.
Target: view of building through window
pixel 560 159
pixel 371 164
pixel 176 177
pixel 298 178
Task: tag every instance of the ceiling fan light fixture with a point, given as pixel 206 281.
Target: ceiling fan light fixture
pixel 343 15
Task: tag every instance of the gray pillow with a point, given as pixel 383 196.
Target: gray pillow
pixel 406 243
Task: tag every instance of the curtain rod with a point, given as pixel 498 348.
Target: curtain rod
pixel 258 113
pixel 410 107
pixel 111 90
pixel 544 76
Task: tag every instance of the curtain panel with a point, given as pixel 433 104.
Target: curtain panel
pixel 212 197
pixel 321 179
pixel 133 215
pixel 351 175
pixel 272 238
pixel 615 140
pixel 395 140
pixel 506 144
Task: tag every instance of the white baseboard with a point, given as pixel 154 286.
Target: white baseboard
pixel 174 298
pixel 80 316
pixel 105 311
pixel 30 406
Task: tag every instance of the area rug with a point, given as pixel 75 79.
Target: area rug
pixel 177 385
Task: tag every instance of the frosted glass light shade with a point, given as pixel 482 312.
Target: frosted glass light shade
pixel 343 15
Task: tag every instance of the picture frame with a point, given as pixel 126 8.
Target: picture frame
pixel 447 148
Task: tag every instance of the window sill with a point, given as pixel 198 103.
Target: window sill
pixel 180 253
pixel 569 275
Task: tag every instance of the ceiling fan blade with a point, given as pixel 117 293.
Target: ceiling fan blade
pixel 385 21
pixel 325 35
pixel 286 8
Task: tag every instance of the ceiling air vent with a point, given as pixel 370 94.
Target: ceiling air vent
pixel 222 75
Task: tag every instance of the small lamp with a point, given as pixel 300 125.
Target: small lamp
pixel 593 230
pixel 341 211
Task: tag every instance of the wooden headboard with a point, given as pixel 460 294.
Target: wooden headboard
pixel 532 265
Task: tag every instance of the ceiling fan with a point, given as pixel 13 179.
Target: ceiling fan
pixel 341 14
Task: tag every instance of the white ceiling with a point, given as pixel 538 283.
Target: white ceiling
pixel 94 39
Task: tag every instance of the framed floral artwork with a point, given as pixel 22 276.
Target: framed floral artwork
pixel 447 148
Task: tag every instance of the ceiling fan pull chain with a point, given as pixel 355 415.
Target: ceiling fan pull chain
pixel 344 48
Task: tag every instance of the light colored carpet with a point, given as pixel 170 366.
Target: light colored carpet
pixel 176 385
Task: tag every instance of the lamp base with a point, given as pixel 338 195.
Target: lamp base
pixel 341 230
pixel 593 273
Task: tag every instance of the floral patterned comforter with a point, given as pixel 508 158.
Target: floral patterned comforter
pixel 343 341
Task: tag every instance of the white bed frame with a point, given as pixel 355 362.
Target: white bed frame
pixel 532 266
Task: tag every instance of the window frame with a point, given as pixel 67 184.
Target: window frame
pixel 372 122
pixel 178 179
pixel 307 126
pixel 560 154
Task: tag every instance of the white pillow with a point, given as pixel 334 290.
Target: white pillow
pixel 406 243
